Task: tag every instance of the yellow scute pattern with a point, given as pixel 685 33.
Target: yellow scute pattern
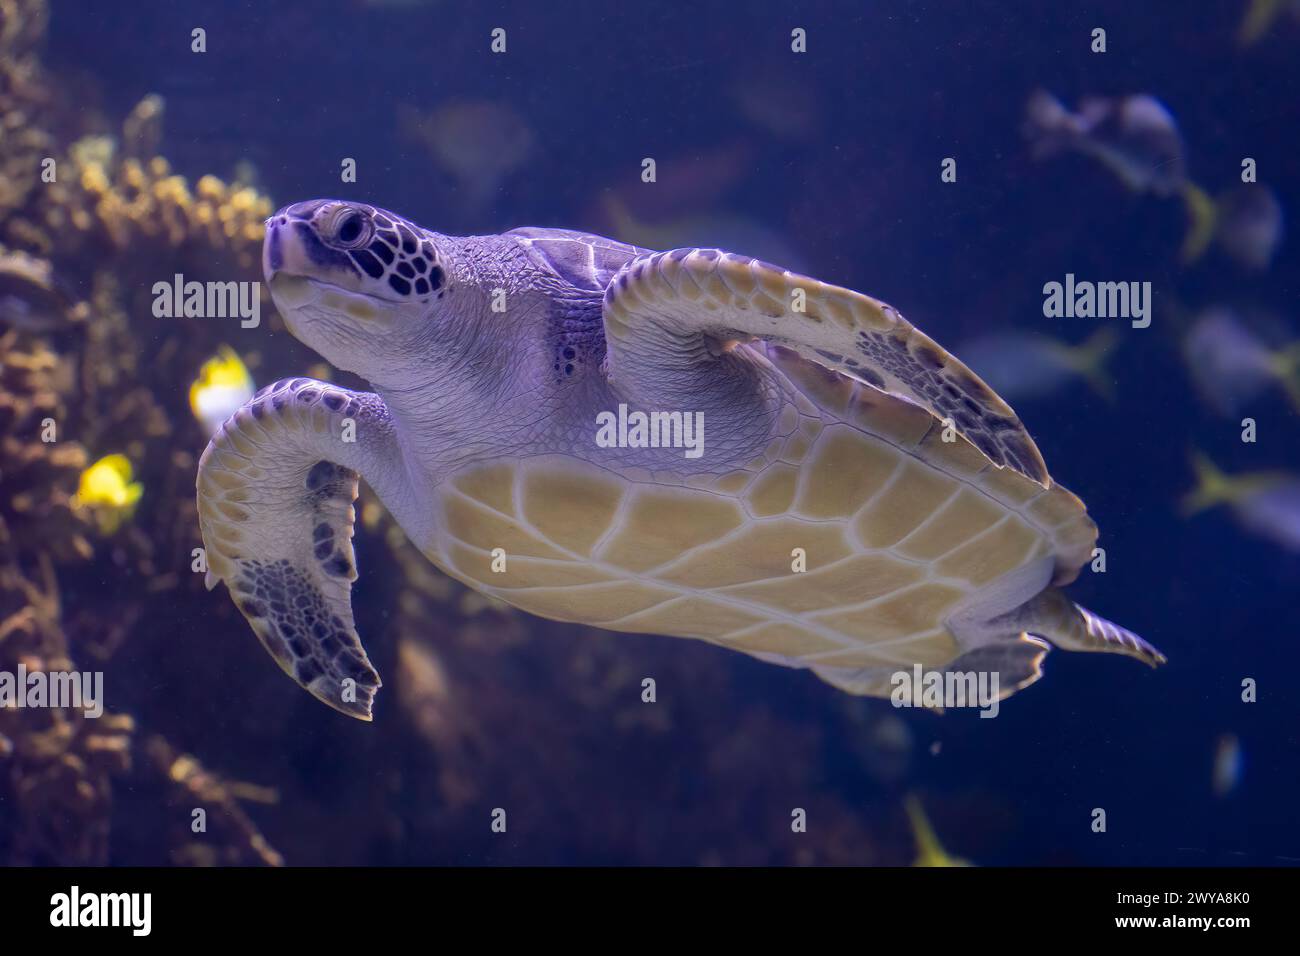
pixel 661 523
pixel 856 559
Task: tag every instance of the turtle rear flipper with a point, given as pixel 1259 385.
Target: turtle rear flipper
pixel 1017 662
pixel 1053 616
pixel 275 492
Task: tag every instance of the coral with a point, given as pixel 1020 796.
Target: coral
pixel 23 95
pixel 140 210
pixel 38 477
pixel 56 763
pixel 104 197
pixel 227 837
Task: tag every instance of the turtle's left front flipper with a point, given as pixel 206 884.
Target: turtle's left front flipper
pixel 664 307
pixel 275 492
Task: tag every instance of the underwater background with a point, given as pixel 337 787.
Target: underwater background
pixel 828 162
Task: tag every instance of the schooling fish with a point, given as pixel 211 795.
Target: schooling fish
pixel 1260 16
pixel 480 143
pixel 1246 222
pixel 1029 365
pixel 721 230
pixel 1231 366
pixel 929 852
pixel 1135 137
pixel 1227 765
pixel 1265 503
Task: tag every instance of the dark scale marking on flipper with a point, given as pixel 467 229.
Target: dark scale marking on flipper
pixel 322 475
pixel 871 377
pixel 338 565
pixel 928 357
pixel 306 671
pixel 954 393
pixel 304 636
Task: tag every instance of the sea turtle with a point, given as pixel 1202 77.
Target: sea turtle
pixel 860 503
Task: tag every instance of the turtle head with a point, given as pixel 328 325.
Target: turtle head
pixel 352 282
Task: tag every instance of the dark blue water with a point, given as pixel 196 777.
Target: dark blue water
pixel 855 194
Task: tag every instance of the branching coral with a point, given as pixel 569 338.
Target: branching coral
pixel 57 762
pixel 209 827
pixel 23 93
pixel 38 476
pixel 111 204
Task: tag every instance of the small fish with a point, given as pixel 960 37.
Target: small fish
pixel 1231 366
pixel 31 300
pixel 1135 137
pixel 722 231
pixel 1227 765
pixel 1246 222
pixel 929 852
pixel 1250 225
pixel 1027 365
pixel 478 142
pixel 779 103
pixel 882 743
pixel 1265 504
pixel 222 387
pixel 107 492
pixel 1260 17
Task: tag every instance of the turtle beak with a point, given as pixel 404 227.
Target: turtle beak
pixel 285 266
pixel 273 247
pixel 284 250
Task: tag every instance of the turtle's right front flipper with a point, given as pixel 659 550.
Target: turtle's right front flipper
pixel 275 492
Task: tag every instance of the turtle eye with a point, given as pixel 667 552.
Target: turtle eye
pixel 350 229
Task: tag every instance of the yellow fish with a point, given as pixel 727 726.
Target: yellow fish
pixel 1259 19
pixel 1246 222
pixel 108 493
pixel 929 852
pixel 1025 365
pixel 222 387
pixel 1214 487
pixel 1202 220
pixel 1265 503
